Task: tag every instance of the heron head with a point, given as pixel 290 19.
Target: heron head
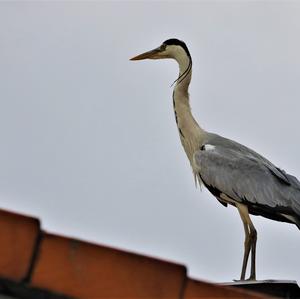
pixel 171 48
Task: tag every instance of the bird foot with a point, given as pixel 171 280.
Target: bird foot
pixel 248 279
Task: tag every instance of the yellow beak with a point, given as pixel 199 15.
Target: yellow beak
pixel 147 55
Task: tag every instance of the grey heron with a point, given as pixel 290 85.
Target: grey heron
pixel 232 172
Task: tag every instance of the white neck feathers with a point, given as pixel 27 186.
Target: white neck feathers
pixel 191 135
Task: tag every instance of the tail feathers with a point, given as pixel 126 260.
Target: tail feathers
pixel 297 223
pixel 296 220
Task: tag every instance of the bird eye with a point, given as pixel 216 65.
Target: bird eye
pixel 163 47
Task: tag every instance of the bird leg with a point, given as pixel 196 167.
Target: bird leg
pixel 250 241
pixel 247 247
pixel 253 236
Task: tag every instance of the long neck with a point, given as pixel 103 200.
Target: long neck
pixel 191 134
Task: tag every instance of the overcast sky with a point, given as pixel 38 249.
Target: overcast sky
pixel 88 138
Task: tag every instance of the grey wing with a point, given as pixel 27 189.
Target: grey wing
pixel 246 178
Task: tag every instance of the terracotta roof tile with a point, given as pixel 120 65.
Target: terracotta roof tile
pixel 18 235
pixel 35 264
pixel 200 289
pixel 88 271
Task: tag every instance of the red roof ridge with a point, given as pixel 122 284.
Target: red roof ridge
pixel 36 259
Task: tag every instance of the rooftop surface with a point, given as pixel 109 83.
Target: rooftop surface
pixel 36 264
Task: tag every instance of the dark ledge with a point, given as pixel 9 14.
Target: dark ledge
pixel 24 291
pixel 277 288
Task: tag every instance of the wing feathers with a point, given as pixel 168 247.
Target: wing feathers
pixel 247 178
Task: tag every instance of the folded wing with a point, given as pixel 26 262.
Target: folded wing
pixel 250 179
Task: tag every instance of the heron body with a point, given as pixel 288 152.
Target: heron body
pixel 233 173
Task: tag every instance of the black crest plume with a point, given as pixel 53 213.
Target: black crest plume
pixel 177 42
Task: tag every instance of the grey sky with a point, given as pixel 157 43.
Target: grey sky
pixel 88 138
